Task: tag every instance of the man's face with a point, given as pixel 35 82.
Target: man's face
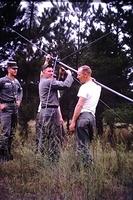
pixel 12 71
pixel 48 72
pixel 81 76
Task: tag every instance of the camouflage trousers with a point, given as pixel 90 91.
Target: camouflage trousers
pixel 50 133
pixel 8 120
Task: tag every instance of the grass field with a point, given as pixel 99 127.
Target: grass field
pixel 32 177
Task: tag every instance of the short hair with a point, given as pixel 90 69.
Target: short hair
pixel 86 68
pixel 45 66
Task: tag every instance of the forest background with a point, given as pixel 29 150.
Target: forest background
pixel 97 34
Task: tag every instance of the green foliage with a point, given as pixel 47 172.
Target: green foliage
pixel 123 114
pixel 109 116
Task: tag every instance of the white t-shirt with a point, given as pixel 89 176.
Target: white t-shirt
pixel 91 92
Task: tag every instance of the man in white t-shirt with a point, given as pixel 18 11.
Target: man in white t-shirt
pixel 83 120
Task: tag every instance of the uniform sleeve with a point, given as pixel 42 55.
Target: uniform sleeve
pixel 1 83
pixel 62 84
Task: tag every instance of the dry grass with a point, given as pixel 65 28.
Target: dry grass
pixel 31 177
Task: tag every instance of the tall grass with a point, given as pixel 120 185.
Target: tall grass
pixel 32 177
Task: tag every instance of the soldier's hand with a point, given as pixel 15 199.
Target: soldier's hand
pixel 68 72
pixel 72 126
pixel 48 57
pixel 62 71
pixel 18 103
pixel 61 120
pixel 2 106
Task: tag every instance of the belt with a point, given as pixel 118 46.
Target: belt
pixel 8 102
pixel 49 106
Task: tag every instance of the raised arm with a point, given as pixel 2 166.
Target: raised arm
pixel 63 84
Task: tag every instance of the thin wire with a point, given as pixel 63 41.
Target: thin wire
pixel 61 63
pixel 66 56
pixel 113 91
pixel 51 82
pixel 104 86
pixel 44 122
pixel 75 70
pixel 86 46
pixel 111 110
pixel 46 106
pixel 27 40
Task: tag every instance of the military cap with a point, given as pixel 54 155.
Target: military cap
pixel 12 64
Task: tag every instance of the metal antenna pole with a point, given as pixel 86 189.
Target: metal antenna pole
pixel 111 90
pixel 66 66
pixel 33 44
